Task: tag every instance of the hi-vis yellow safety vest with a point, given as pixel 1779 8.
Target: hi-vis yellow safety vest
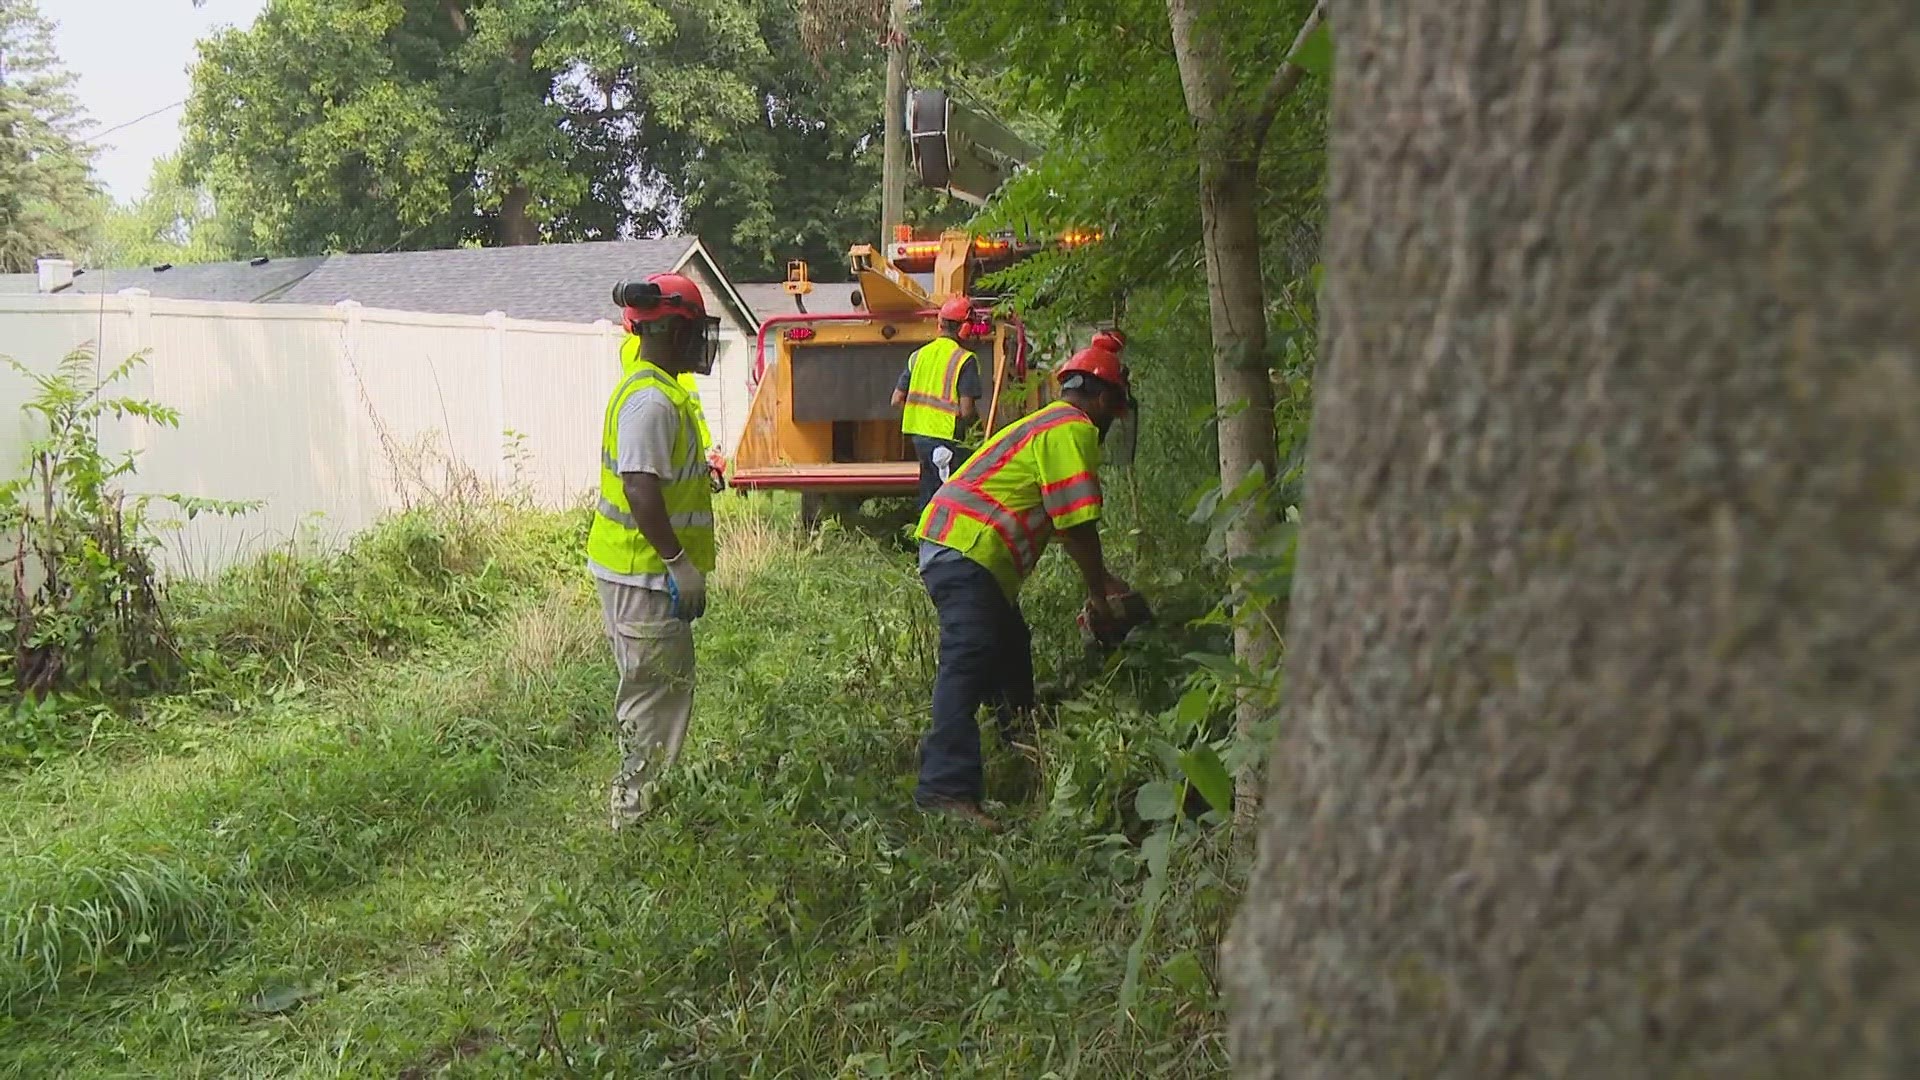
pixel 692 388
pixel 615 541
pixel 1031 478
pixel 630 355
pixel 933 389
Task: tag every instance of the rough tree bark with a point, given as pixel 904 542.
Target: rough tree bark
pixel 1599 753
pixel 1230 139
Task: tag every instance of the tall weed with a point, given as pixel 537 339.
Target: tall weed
pixel 83 624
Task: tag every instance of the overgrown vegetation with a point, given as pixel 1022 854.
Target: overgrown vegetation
pixel 379 846
pixel 83 623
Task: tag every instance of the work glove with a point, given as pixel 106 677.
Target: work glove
pixel 686 587
pixel 1109 620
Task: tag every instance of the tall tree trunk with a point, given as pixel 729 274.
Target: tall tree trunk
pixel 517 227
pixel 893 164
pixel 1599 753
pixel 1230 216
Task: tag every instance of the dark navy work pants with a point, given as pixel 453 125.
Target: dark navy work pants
pixel 986 658
pixel 927 447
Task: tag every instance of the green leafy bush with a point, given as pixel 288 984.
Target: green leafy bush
pixel 83 622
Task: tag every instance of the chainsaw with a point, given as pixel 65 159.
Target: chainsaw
pixel 1130 612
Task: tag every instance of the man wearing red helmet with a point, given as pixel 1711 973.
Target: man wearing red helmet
pixel 939 395
pixel 981 535
pixel 651 545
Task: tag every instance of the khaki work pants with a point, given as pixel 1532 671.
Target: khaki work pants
pixel 653 652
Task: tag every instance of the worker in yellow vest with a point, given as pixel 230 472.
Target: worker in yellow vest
pixel 651 546
pixel 981 535
pixel 939 395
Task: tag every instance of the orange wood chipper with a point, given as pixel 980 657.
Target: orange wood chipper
pixel 822 422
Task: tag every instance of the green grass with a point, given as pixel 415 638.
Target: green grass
pixel 380 850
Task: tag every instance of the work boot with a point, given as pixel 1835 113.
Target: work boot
pixel 629 800
pixel 962 809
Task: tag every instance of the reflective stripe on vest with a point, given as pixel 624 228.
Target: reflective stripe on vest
pixel 933 389
pixel 692 388
pixel 1023 532
pixel 615 541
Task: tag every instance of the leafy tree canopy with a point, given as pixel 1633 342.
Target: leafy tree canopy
pixel 1120 156
pixel 364 125
pixel 173 222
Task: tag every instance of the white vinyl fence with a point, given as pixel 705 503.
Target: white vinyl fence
pixel 332 417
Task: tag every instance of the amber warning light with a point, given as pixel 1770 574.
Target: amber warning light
pixel 918 256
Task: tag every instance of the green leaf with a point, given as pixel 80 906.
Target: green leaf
pixel 1157 849
pixel 1156 801
pixel 1167 755
pixel 1194 706
pixel 1315 54
pixel 1203 767
pixel 1222 667
pixel 1187 974
pixel 1204 509
pixel 273 1000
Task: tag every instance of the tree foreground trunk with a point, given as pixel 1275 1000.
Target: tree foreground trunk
pixel 1599 752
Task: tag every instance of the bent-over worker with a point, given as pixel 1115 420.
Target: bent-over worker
pixel 651 545
pixel 981 535
pixel 939 395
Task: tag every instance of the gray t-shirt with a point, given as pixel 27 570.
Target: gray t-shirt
pixel 643 443
pixel 932 554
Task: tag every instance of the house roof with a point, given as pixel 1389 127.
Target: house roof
pixel 552 282
pixel 230 281
pixel 557 282
pixel 16 284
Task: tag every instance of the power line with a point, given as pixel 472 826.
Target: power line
pixel 98 135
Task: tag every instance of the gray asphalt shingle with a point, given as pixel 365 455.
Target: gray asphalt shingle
pixel 558 282
pixel 229 281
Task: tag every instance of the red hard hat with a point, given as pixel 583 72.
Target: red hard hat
pixel 1097 362
pixel 956 309
pixel 679 298
pixel 1110 339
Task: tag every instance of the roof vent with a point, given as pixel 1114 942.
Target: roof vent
pixel 260 261
pixel 162 267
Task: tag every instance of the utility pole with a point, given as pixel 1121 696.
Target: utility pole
pixel 893 196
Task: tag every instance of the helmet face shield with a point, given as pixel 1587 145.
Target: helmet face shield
pixel 702 345
pixel 1120 440
pixel 695 342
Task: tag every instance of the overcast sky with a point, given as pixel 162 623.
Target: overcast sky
pixel 132 58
